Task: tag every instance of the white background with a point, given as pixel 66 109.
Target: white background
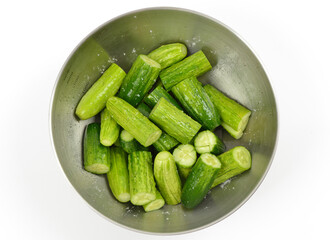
pixel 291 38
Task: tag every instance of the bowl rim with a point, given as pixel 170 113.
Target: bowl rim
pixel 180 10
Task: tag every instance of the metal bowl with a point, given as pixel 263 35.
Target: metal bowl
pixel 236 71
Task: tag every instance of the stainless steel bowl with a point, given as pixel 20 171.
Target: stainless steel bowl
pixel 236 71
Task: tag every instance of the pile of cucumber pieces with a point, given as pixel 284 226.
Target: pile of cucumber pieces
pixel 155 141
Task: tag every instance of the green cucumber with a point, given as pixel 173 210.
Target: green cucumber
pixel 129 144
pixel 185 155
pixel 156 94
pixel 233 162
pixel 129 118
pixel 118 174
pixel 192 66
pixel 197 103
pixel 155 204
pixel 234 116
pixel 208 142
pixel 109 129
pixel 200 180
pixel 174 121
pixel 96 156
pixel 183 172
pixel 167 55
pixel 141 178
pixel 167 177
pixel 144 109
pixel 96 97
pixel 139 80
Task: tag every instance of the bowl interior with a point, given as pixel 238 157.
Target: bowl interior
pixel 236 71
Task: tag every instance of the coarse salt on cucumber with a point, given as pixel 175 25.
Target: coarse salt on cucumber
pixel 208 142
pixel 156 204
pixel 185 155
pixel 109 129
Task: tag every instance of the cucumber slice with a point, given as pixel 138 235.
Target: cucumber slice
pixel 155 204
pixel 208 142
pixel 185 155
pixel 109 129
pixel 158 93
pixel 167 177
pixel 234 162
pixel 200 180
pixel 96 97
pixel 118 175
pixel 96 156
pixel 129 144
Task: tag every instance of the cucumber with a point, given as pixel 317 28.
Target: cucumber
pixel 183 172
pixel 141 178
pixel 118 174
pixel 167 55
pixel 155 204
pixel 208 142
pixel 197 103
pixel 144 109
pixel 234 116
pixel 96 97
pixel 129 118
pixel 192 66
pixel 129 144
pixel 167 178
pixel 174 121
pixel 233 162
pixel 200 180
pixel 156 94
pixel 96 156
pixel 139 80
pixel 185 155
pixel 109 129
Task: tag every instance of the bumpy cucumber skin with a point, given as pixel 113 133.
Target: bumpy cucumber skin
pixel 94 151
pixel 198 183
pixel 174 121
pixel 131 146
pixel 192 66
pixel 151 206
pixel 167 178
pixel 109 129
pixel 167 55
pixel 96 97
pixel 158 93
pixel 129 118
pixel 141 177
pixel 118 174
pixel 165 143
pixel 218 148
pixel 139 80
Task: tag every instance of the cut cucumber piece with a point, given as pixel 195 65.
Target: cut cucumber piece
pixel 208 142
pixel 129 118
pixel 197 103
pixel 234 116
pixel 200 180
pixel 233 162
pixel 192 66
pixel 167 55
pixel 109 129
pixel 96 97
pixel 167 178
pixel 185 155
pixel 96 156
pixel 141 178
pixel 155 204
pixel 139 80
pixel 174 121
pixel 118 175
pixel 129 144
pixel 183 172
pixel 158 93
pixel 144 109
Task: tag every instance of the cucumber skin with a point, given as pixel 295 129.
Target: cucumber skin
pixel 198 183
pixel 131 146
pixel 174 121
pixel 192 66
pixel 183 172
pixel 118 174
pixel 141 177
pixel 219 147
pixel 197 103
pixel 156 94
pixel 138 81
pixel 109 129
pixel 96 97
pixel 167 178
pixel 158 198
pixel 167 55
pixel 144 109
pixel 94 151
pixel 133 121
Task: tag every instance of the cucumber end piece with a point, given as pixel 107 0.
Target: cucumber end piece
pixel 185 155
pixel 126 136
pixel 242 157
pixel 153 138
pixel 154 205
pixel 235 134
pixel 211 160
pixel 149 61
pixel 244 121
pixel 106 142
pixel 124 197
pixel 164 155
pixel 142 198
pixel 97 168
